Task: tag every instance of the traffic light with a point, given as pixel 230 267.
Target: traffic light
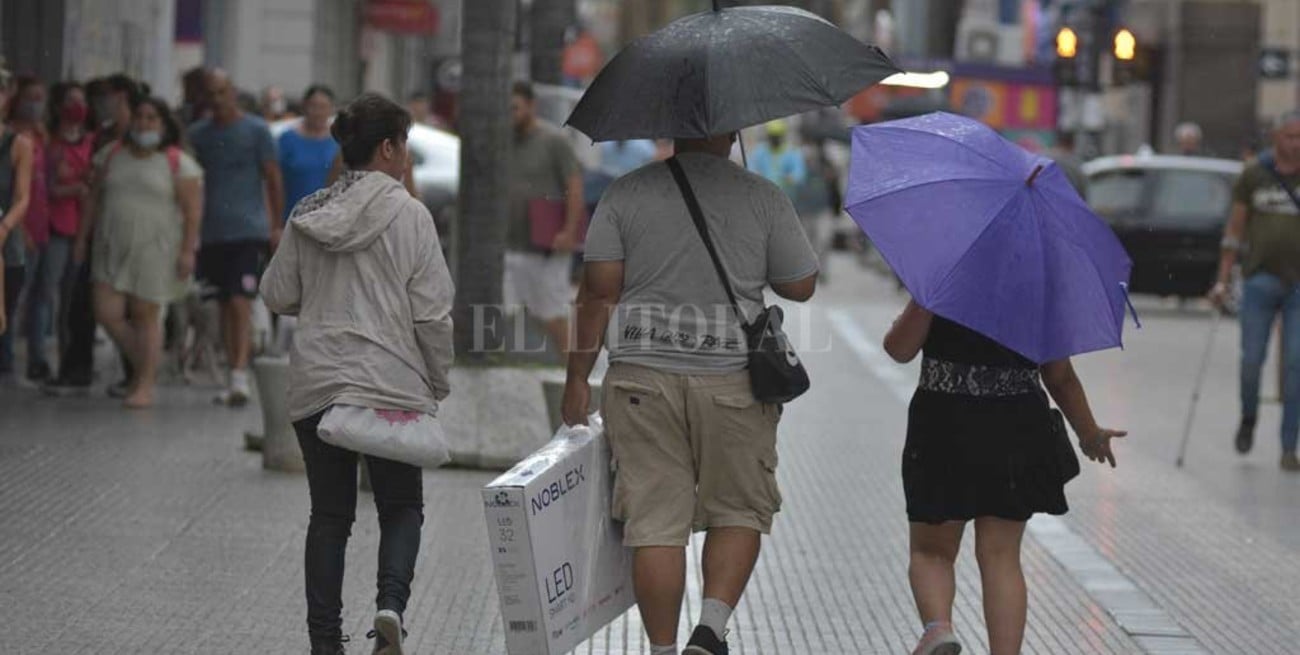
pixel 1067 44
pixel 1066 68
pixel 1126 56
pixel 1125 45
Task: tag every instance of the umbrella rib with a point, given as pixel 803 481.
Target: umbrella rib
pixel 1101 278
pixel 961 260
pixel 903 187
pixel 906 128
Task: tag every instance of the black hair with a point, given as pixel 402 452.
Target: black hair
pixel 123 83
pixel 318 88
pixel 172 135
pixel 1065 139
pixel 524 90
pixel 365 124
pixel 58 95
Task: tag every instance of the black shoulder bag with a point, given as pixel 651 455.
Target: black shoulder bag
pixel 776 374
pixel 1269 162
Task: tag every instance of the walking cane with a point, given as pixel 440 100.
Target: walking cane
pixel 1200 382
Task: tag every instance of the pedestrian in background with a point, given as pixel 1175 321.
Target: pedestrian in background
pixel 1067 158
pixel 308 150
pixel 15 197
pixel 243 213
pixel 194 101
pixel 694 450
pixel 980 447
pixel 362 269
pixel 145 211
pixel 26 116
pixel 111 102
pixel 544 179
pixel 69 170
pixel 818 200
pixel 1266 217
pixel 778 161
pixel 1190 140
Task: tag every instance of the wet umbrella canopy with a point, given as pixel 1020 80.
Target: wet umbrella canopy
pixel 719 71
pixel 988 235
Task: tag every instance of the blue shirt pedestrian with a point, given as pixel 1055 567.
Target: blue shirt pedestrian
pixel 784 166
pixel 234 199
pixel 305 162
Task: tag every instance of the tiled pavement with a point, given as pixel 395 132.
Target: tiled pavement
pixel 154 533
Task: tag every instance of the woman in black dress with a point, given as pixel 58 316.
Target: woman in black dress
pixel 981 440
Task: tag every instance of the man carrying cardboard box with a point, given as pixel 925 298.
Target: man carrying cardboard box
pixel 693 449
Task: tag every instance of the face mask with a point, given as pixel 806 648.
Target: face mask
pixel 147 140
pixel 31 110
pixel 74 113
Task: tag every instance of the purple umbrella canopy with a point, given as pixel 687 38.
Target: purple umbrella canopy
pixel 989 235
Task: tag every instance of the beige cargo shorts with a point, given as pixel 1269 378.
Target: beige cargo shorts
pixel 690 452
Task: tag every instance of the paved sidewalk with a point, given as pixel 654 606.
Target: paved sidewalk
pixel 154 532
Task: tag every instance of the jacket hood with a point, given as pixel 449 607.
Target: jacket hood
pixel 350 214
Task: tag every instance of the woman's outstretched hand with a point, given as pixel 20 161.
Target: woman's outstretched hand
pixel 1097 448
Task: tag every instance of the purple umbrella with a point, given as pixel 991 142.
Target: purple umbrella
pixel 989 235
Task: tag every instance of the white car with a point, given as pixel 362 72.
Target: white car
pixel 437 165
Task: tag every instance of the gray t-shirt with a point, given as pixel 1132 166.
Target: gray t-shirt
pixel 540 166
pixel 234 186
pixel 674 314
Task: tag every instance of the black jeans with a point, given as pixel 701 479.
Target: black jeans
pixel 77 361
pixel 399 498
pixel 13 288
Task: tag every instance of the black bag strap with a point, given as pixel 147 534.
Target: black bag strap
pixel 697 215
pixel 1269 165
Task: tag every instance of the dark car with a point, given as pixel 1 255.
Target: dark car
pixel 1169 212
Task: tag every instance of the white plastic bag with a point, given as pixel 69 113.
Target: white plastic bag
pixel 403 436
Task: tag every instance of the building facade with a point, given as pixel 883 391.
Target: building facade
pixel 287 43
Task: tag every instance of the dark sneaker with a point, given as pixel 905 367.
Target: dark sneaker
pixel 38 372
pixel 1290 463
pixel 64 387
pixel 1245 435
pixel 388 633
pixel 329 646
pixel 705 642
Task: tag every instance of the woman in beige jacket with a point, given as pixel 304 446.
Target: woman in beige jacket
pixel 361 268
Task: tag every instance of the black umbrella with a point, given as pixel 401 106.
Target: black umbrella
pixel 719 71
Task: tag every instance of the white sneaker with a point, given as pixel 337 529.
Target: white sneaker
pixel 938 640
pixel 238 394
pixel 388 633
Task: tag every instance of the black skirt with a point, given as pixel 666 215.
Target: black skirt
pixel 969 456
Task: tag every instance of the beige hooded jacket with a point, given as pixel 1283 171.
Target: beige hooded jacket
pixel 361 267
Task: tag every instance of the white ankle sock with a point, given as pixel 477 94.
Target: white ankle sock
pixel 670 649
pixel 714 614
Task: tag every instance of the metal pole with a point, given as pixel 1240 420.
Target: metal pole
pixel 1200 382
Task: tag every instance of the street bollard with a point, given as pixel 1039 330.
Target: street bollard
pixel 280 451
